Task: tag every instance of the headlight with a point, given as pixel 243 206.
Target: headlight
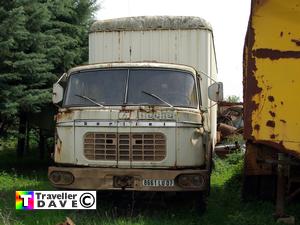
pixel 61 177
pixel 190 180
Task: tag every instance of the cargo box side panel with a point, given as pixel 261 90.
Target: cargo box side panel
pixel 271 75
pixel 187 47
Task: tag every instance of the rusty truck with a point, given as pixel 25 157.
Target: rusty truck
pixel 141 116
pixel 271 111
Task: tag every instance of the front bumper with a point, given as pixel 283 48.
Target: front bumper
pixel 105 178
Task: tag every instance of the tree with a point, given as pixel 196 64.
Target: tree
pixel 233 98
pixel 68 32
pixel 39 40
pixel 12 33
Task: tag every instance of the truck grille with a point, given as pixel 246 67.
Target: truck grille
pixel 125 146
pixel 100 146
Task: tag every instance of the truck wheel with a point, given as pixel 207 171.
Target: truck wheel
pixel 200 202
pixel 196 199
pixel 262 187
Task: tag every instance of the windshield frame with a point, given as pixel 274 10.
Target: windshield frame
pixel 125 100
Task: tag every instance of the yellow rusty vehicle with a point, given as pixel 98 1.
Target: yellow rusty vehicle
pixel 271 90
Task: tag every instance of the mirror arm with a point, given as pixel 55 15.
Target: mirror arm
pixel 61 77
pixel 202 73
pixel 205 110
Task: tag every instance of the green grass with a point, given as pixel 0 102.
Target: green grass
pixel 224 203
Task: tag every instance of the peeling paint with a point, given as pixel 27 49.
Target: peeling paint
pixel 272 113
pixel 283 121
pixel 271 76
pixel 275 54
pixel 249 82
pixel 270 123
pixel 297 42
pixel 256 127
pixel 271 98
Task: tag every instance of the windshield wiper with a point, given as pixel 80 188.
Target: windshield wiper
pixel 91 100
pixel 157 97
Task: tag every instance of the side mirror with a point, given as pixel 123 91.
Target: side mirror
pixel 58 90
pixel 57 94
pixel 215 92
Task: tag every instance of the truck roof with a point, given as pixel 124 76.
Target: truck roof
pixel 143 23
pixel 132 65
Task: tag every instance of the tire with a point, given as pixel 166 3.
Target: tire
pixel 201 202
pixel 196 199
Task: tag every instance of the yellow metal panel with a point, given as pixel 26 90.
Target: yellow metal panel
pixel 277 112
pixel 272 74
pixel 276 24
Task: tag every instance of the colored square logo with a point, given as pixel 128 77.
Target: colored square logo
pixel 24 200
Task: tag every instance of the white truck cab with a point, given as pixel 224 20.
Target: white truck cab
pixel 140 116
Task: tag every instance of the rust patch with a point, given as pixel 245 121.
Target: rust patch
pixel 272 113
pixel 253 152
pixel 258 3
pixel 271 98
pixel 249 80
pixel 283 121
pixel 58 117
pixel 281 34
pixel 224 103
pixel 275 54
pixel 256 127
pixel 126 110
pixel 141 109
pixel 153 109
pixel 150 109
pixel 64 115
pixel 58 146
pixel 226 130
pixel 279 147
pixel 272 136
pixel 297 42
pixel 270 123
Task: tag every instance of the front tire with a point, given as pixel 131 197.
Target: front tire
pixel 196 199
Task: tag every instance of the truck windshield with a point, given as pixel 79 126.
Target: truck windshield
pixel 129 87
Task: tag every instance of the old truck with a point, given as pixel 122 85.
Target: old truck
pixel 141 115
pixel 271 111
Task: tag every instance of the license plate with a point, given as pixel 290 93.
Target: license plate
pixel 158 183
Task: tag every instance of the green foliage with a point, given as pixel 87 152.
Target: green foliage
pixel 233 98
pixel 225 206
pixel 233 139
pixel 235 158
pixel 8 143
pixel 39 40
